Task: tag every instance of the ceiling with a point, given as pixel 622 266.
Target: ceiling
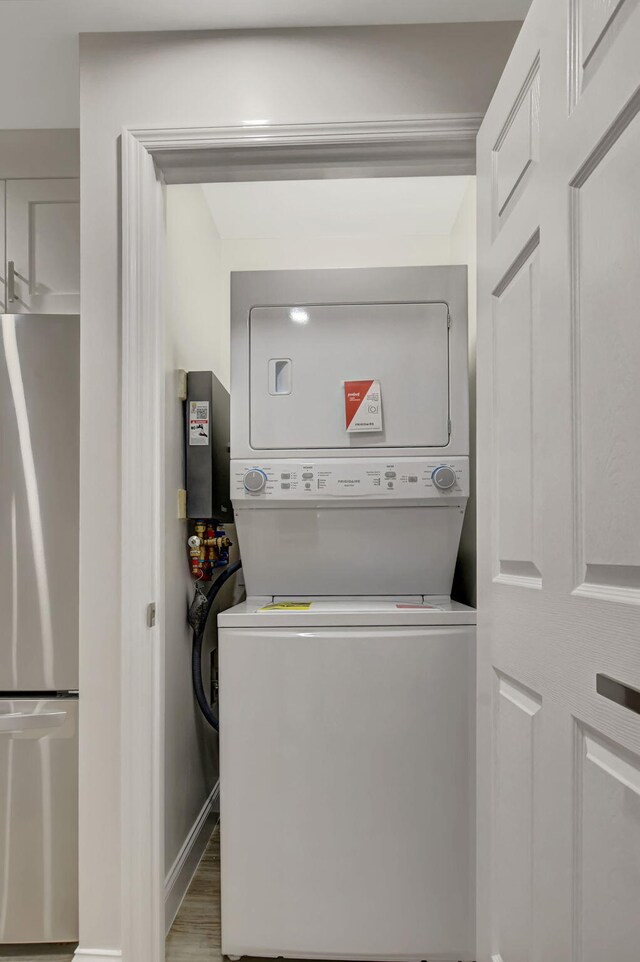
pixel 398 206
pixel 40 63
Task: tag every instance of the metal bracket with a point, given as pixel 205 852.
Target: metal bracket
pixel 151 615
pixel 11 282
pixel 182 385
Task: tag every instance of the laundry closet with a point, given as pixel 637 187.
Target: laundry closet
pixel 342 686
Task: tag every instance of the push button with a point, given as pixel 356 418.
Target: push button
pixel 286 477
pixel 285 485
pixel 389 474
pixel 307 474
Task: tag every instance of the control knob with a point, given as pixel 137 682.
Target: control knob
pixel 254 480
pixel 443 477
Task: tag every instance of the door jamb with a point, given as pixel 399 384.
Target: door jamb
pixel 149 158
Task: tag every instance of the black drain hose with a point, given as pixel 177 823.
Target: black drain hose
pixel 198 638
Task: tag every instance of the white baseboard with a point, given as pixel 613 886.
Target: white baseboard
pixel 97 955
pixel 183 869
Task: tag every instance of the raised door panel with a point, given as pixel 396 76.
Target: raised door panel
pixel 3 265
pixel 607 862
pixel 597 17
pixel 606 243
pixel 43 243
pixel 516 316
pixel 517 725
pixel 517 148
pixel 594 26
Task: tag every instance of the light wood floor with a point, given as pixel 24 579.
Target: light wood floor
pixel 195 934
pixel 43 953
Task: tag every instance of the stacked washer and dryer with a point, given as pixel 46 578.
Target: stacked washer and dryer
pixel 347 677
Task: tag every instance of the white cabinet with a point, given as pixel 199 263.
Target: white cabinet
pixel 43 246
pixel 3 282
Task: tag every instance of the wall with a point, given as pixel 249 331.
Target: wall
pixel 43 48
pixel 39 153
pixel 196 339
pixel 298 253
pixel 285 76
pixel 463 251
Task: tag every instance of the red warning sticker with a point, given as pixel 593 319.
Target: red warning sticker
pixel 363 405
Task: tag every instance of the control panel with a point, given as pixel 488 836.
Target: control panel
pixel 375 478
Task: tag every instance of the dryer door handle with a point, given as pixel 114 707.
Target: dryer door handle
pixel 280 380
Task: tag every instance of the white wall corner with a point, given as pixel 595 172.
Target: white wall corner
pixel 98 955
pixel 183 869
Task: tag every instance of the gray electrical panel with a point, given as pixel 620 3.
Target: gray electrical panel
pixel 207 448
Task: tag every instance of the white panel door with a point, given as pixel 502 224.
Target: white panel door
pixel 43 246
pixel 558 492
pixel 3 263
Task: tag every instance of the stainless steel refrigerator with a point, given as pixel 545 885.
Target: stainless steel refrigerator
pixel 39 468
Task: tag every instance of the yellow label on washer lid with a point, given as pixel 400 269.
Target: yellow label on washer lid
pixel 287 606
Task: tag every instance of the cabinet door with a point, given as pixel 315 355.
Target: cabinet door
pixel 43 244
pixel 3 263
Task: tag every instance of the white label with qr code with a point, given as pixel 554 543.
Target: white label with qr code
pixel 198 422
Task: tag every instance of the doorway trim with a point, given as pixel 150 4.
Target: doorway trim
pixel 151 158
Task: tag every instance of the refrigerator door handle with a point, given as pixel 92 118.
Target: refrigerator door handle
pixel 31 721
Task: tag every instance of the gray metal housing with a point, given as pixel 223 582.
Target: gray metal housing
pixel 207 465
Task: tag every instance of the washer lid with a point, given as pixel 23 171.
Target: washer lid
pixel 309 612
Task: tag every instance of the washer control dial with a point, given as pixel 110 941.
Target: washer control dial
pixel 443 477
pixel 254 481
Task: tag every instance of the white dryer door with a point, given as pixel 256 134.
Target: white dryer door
pixel 347 786
pixel 301 358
